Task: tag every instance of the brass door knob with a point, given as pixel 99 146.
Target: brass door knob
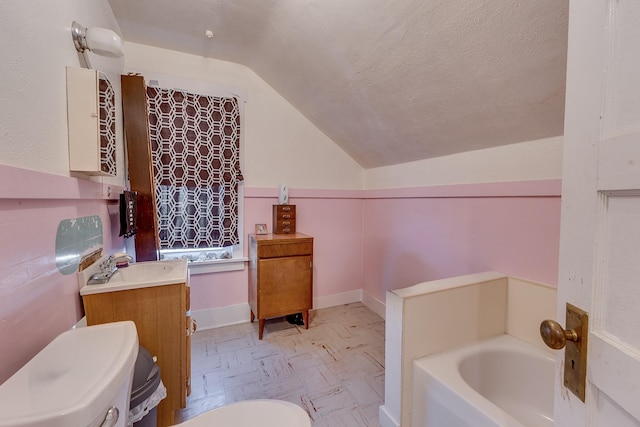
pixel 554 336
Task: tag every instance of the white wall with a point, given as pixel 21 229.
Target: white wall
pixel 532 160
pixel 37 300
pixel 280 144
pixel 36 47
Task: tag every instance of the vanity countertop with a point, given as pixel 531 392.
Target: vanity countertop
pixel 137 275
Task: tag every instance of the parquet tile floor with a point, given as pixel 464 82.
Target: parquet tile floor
pixel 334 370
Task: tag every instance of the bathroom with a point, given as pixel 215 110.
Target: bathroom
pixel 376 229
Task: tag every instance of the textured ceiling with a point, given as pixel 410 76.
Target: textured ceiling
pixel 388 81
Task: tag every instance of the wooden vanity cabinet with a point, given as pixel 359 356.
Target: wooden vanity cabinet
pixel 161 317
pixel 280 276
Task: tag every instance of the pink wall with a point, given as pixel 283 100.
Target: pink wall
pixel 333 218
pixel 416 235
pixel 374 240
pixel 378 240
pixel 37 302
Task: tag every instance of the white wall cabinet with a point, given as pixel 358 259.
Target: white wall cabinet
pixel 91 117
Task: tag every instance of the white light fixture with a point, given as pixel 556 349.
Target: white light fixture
pixel 97 40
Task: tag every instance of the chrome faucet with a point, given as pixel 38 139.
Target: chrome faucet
pixel 121 257
pixel 108 268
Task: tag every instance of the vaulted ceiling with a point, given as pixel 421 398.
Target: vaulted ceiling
pixel 390 81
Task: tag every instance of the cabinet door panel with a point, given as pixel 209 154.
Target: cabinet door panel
pixel 285 285
pixel 159 313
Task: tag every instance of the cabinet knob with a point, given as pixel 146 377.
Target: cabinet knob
pixel 286 216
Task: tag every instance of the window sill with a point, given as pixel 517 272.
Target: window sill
pixel 217 265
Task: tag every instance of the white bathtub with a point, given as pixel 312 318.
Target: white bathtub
pixel 502 382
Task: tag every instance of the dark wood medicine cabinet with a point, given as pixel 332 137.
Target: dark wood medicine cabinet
pixel 140 167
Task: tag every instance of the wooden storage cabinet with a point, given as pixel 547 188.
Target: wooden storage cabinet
pixel 161 317
pixel 135 121
pixel 280 276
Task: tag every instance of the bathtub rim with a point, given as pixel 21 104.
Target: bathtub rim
pixel 437 367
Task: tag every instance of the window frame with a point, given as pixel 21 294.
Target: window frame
pixel 238 259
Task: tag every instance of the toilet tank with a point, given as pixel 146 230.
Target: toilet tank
pixel 75 380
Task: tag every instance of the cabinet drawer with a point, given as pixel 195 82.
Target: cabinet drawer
pixel 285 216
pixel 285 249
pixel 284 226
pixel 284 211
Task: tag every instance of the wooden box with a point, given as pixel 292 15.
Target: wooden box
pixel 284 219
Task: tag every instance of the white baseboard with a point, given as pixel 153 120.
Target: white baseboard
pixel 221 316
pixel 374 304
pixel 240 313
pixel 385 419
pixel 337 299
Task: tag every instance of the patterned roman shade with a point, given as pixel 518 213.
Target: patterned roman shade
pixel 195 144
pixel 107 110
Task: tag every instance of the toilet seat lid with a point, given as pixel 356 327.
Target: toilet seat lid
pixel 250 413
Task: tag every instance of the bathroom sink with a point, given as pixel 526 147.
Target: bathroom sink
pixel 151 271
pixel 141 274
pixel 72 379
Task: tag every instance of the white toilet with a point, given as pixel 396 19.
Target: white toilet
pixel 83 379
pixel 263 413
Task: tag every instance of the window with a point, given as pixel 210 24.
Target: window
pixel 195 145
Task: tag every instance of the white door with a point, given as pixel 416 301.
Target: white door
pixel 600 234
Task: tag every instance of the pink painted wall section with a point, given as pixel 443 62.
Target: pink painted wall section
pixel 378 240
pixel 416 235
pixel 333 218
pixel 216 290
pixel 375 240
pixel 336 225
pixel 37 302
